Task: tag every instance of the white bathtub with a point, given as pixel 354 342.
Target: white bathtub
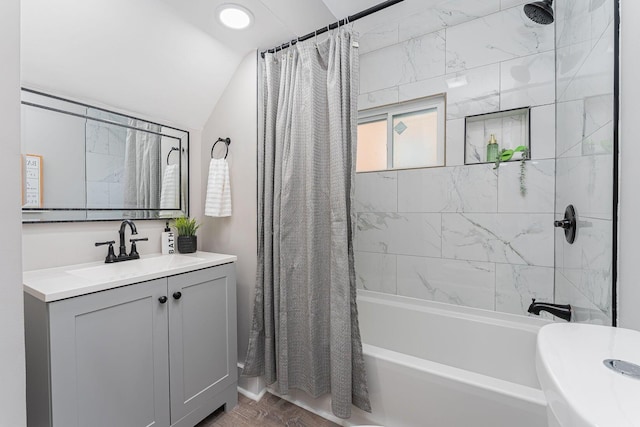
pixel 437 365
pixel 432 364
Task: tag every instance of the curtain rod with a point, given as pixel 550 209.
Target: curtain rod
pixel 355 17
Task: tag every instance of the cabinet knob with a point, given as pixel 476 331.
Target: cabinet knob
pixel 177 295
pixel 162 299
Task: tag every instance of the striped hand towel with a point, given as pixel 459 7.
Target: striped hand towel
pixel 169 194
pixel 218 201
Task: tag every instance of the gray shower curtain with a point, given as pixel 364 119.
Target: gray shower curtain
pixel 305 332
pixel 142 168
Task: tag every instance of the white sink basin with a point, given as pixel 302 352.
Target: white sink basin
pixel 581 391
pixel 134 268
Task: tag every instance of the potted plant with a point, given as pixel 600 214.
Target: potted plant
pixel 187 239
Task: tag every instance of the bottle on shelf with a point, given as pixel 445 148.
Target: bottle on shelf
pixel 492 149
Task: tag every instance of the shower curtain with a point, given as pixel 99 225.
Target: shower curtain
pixel 305 332
pixel 142 168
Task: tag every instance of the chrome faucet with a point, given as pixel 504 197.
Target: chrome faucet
pixel 558 310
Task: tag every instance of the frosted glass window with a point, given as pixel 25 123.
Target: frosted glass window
pixel 372 146
pixel 415 139
pixel 402 136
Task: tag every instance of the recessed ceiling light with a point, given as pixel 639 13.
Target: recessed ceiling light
pixel 234 16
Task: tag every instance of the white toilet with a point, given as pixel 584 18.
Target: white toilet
pixel 589 374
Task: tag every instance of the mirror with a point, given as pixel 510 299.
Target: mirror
pixel 84 163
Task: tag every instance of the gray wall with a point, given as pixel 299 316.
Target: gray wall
pixel 12 371
pixel 235 117
pixel 60 140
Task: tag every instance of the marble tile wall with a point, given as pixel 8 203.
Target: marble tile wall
pixel 506 59
pixel 464 234
pixel 584 78
pixel 105 148
pixel 461 234
pixel 414 49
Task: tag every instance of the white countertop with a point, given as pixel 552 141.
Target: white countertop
pixel 53 284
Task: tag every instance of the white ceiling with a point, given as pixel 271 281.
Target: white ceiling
pixel 275 21
pixel 167 60
pixel 344 8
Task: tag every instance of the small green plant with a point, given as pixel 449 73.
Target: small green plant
pixel 186 226
pixel 505 155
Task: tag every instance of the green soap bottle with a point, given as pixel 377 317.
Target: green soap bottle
pixel 492 149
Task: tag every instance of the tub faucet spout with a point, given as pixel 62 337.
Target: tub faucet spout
pixel 558 310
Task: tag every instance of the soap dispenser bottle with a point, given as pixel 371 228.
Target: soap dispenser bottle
pixel 492 149
pixel 168 241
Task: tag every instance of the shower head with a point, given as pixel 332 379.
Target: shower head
pixel 540 12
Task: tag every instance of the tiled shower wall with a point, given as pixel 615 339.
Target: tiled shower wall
pixel 585 85
pixel 105 149
pixel 105 165
pixel 460 234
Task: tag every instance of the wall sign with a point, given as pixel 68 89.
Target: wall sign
pixel 32 181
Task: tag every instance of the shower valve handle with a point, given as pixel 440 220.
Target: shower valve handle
pixel 563 223
pixel 569 224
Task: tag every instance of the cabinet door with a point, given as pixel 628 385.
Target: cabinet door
pixel 202 338
pixel 109 363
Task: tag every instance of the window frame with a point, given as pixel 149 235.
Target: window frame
pixel 387 112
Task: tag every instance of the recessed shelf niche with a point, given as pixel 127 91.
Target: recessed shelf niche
pixel 511 128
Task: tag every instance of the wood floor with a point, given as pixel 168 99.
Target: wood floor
pixel 271 411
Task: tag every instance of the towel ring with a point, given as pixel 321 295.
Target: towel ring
pixel 171 151
pixel 227 142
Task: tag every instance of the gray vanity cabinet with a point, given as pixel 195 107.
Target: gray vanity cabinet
pixel 108 358
pixel 127 357
pixel 202 344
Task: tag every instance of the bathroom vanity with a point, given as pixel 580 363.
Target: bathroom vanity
pixel 150 342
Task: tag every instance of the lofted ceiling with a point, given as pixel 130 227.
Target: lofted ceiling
pixel 166 60
pixel 344 8
pixel 275 21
